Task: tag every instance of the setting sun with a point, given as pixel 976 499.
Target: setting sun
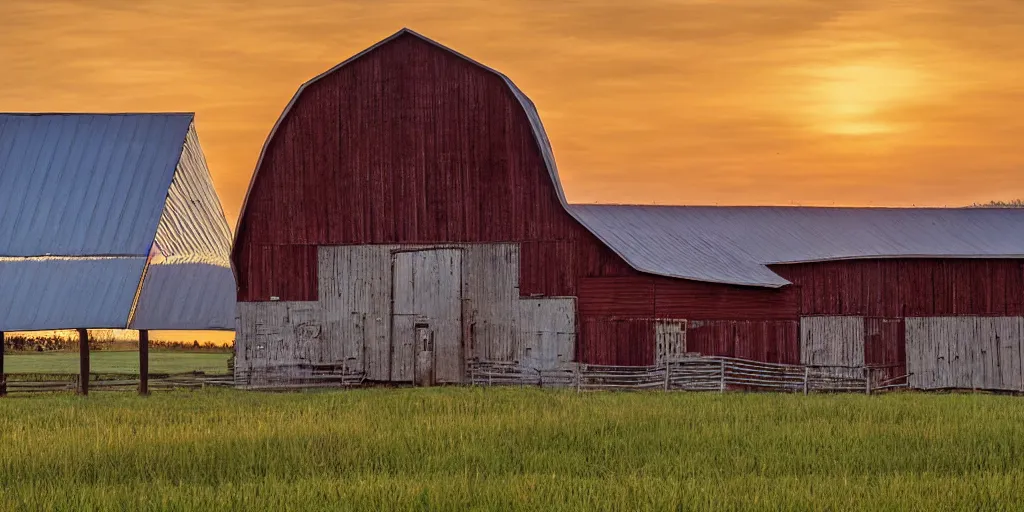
pixel 854 99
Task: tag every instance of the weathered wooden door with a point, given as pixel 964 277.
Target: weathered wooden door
pixel 426 320
pixel 547 333
pixel 669 340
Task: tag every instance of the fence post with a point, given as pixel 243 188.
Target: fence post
pixel 721 386
pixel 666 375
pixel 807 378
pixel 143 362
pixel 3 374
pixel 579 369
pixel 83 361
pixel 867 380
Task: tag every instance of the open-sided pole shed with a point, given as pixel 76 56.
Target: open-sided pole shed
pixel 110 221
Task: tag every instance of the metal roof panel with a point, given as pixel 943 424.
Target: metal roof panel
pixel 85 184
pixel 67 293
pixel 734 245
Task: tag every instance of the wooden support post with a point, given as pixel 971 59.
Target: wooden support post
pixel 666 375
pixel 807 378
pixel 3 374
pixel 83 360
pixel 867 380
pixel 579 370
pixel 721 388
pixel 143 362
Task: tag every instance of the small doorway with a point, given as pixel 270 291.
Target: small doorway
pixel 426 319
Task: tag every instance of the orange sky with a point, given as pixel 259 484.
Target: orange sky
pixel 668 101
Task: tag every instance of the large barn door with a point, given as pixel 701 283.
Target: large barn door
pixel 426 321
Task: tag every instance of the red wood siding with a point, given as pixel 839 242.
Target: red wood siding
pixel 773 341
pixel 676 298
pixel 408 144
pixel 616 341
pixel 884 345
pixel 616 296
pixel 547 267
pixel 908 287
pixel 288 272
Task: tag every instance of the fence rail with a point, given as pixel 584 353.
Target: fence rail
pixel 703 373
pixel 65 382
pixel 287 377
pixel 697 373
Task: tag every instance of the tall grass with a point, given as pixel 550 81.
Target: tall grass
pixel 511 449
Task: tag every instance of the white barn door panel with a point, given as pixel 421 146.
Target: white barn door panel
pixel 427 315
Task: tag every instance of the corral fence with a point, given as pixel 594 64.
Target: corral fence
pixel 49 383
pixel 299 376
pixel 703 373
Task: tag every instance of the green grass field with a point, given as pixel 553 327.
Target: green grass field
pixel 117 362
pixel 510 449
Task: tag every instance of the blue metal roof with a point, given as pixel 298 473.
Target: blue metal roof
pixel 186 295
pixel 86 201
pixel 85 184
pixel 67 293
pixel 734 245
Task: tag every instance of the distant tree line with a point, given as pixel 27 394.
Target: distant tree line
pixel 1016 203
pixel 100 341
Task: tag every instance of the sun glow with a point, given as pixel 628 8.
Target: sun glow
pixel 855 99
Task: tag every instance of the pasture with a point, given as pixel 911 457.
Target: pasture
pixel 510 449
pixel 116 362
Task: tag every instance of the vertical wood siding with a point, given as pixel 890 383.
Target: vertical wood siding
pixel 355 295
pixel 908 287
pixel 884 346
pixel 835 341
pixel 965 352
pixel 617 341
pixel 491 309
pixel 427 299
pixel 832 340
pixel 373 296
pixel 273 334
pixel 773 341
pixel 670 340
pixel 547 328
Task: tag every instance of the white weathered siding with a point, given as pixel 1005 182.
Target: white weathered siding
pixel 964 352
pixel 832 340
pixel 427 296
pixel 490 292
pixel 355 294
pixel 669 340
pixel 548 333
pixel 372 296
pixel 277 335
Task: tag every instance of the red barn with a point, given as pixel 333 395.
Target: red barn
pixel 406 218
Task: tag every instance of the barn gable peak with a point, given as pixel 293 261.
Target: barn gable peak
pixel 530 110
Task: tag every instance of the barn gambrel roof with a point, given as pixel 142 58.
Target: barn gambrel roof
pixel 110 221
pixel 529 109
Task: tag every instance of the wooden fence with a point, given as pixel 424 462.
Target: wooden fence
pixel 692 374
pixel 684 374
pixel 299 376
pixel 48 383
